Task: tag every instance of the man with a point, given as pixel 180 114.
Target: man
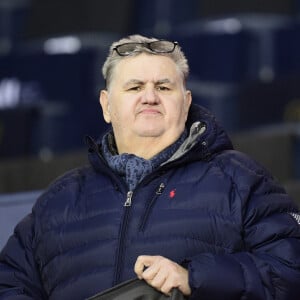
pixel 166 198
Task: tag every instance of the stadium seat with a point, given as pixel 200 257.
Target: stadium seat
pixel 62 89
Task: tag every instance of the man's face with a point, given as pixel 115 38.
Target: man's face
pixel 146 98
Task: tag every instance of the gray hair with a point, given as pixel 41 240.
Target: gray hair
pixel 113 58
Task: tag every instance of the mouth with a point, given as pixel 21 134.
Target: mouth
pixel 149 111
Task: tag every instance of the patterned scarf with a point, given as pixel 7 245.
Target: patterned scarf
pixel 131 167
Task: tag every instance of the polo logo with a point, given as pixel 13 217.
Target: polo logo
pixel 172 193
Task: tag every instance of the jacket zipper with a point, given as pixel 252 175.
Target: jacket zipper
pixel 127 205
pixel 122 237
pixel 145 218
pixel 128 199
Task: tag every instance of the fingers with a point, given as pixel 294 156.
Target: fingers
pixel 150 268
pixel 157 280
pixel 143 262
pixel 162 273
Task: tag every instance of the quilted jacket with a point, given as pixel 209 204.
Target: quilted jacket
pixel 209 208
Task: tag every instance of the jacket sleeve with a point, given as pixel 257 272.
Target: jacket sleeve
pixel 19 275
pixel 268 267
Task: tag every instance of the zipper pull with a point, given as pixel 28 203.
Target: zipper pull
pixel 160 189
pixel 128 199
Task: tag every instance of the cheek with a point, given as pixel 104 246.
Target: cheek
pixel 115 116
pixel 179 111
pixel 121 114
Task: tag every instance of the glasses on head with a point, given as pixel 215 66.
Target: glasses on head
pixel 160 46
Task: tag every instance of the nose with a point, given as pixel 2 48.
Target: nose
pixel 150 96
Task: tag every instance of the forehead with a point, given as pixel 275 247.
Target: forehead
pixel 145 67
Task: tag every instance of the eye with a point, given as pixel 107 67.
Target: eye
pixel 136 88
pixel 163 88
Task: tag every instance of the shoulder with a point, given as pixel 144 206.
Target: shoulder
pixel 235 164
pixel 65 189
pixel 252 182
pixel 248 177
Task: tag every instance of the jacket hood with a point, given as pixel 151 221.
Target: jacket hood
pixel 214 138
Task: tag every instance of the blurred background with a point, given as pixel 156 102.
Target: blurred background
pixel 245 67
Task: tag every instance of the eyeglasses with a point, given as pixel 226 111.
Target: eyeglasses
pixel 160 46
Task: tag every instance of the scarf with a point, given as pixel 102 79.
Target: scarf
pixel 131 167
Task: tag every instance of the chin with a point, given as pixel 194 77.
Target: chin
pixel 150 133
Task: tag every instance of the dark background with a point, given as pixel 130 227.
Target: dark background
pixel 245 67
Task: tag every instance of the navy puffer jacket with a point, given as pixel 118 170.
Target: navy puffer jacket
pixel 209 208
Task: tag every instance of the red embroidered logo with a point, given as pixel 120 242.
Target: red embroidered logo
pixel 172 193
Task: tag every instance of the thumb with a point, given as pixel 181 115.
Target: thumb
pixel 142 262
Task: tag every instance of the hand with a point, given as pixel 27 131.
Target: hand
pixel 162 273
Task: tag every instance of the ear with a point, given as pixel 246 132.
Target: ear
pixel 104 102
pixel 188 101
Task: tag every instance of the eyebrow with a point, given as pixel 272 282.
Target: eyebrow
pixel 132 82
pixel 163 81
pixel 140 82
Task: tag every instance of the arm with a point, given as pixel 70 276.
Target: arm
pixel 268 265
pixel 19 276
pixel 270 270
